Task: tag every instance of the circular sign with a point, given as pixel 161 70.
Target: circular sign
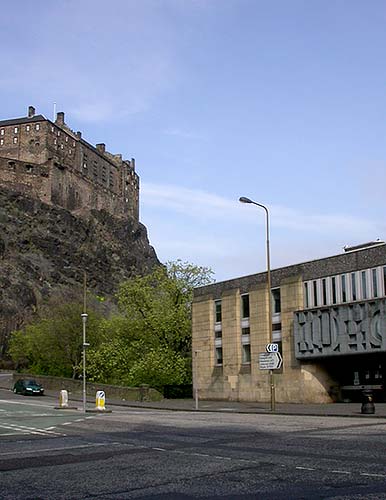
pixel 272 347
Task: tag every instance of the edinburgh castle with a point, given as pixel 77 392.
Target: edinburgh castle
pixel 48 161
pixel 66 208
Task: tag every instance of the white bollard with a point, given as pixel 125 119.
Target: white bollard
pixel 63 399
pixel 100 401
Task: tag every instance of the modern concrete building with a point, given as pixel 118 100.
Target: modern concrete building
pixel 328 318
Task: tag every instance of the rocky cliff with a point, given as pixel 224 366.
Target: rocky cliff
pixel 45 250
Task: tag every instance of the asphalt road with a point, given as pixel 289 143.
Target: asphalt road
pixel 157 454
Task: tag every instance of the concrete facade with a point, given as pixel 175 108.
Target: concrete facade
pixel 49 161
pixel 226 352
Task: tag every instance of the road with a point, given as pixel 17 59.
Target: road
pixel 157 454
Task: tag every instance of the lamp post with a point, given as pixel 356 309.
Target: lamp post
pixel 243 199
pixel 85 344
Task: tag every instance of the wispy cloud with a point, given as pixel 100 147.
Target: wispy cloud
pixel 199 204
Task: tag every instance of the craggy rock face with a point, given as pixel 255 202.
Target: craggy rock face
pixel 44 249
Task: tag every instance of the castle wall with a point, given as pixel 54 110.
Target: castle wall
pixel 49 161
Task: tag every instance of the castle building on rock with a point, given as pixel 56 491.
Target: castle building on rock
pixel 48 161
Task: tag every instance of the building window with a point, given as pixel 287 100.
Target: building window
pixel 245 306
pixel 16 130
pixel 324 291
pixel 37 126
pixel 15 140
pixel 315 292
pixel 384 280
pixel 364 284
pixel 354 286
pixel 1 142
pixel 276 302
pixel 218 355
pixel 246 353
pixel 306 301
pixel 27 127
pixel 344 287
pixel 2 131
pixel 333 286
pixel 375 282
pixel 217 308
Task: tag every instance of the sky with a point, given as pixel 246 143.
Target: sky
pixel 281 101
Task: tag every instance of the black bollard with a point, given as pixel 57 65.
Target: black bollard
pixel 368 406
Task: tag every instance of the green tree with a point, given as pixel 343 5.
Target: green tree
pixel 150 342
pixel 52 345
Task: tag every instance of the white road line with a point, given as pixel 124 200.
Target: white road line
pixel 159 449
pixel 304 468
pixel 340 472
pixel 63 448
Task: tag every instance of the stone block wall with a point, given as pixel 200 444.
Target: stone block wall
pixel 246 382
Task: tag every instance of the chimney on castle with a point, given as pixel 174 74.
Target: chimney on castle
pixel 31 111
pixel 101 147
pixel 79 135
pixel 59 118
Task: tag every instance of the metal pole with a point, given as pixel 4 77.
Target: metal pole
pixel 84 319
pixel 195 378
pixel 271 375
pixel 84 316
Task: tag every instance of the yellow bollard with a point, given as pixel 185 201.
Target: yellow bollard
pixel 100 401
pixel 63 399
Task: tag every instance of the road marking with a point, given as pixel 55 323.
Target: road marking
pixel 30 430
pixel 159 449
pixel 340 472
pixel 304 468
pixel 62 448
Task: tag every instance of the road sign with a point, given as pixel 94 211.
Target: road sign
pixel 270 360
pixel 272 347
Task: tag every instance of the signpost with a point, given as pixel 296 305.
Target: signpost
pixel 270 360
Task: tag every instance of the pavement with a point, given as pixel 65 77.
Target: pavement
pixel 322 410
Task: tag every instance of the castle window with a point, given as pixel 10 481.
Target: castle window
pixel 27 127
pixel 61 146
pixel 11 164
pixel 70 151
pixel 29 168
pixel 2 131
pixel 84 165
pixel 73 144
pixel 55 141
pixel 16 130
pixel 1 142
pixel 15 140
pixel 58 133
pixel 52 129
pixel 37 126
pixel 66 139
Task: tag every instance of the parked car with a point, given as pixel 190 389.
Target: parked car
pixel 28 387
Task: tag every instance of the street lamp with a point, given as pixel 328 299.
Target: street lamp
pixel 243 199
pixel 85 344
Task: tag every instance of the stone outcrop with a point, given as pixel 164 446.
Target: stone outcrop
pixel 45 249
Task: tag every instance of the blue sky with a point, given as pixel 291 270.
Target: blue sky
pixel 283 101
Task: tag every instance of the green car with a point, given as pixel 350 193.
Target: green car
pixel 28 387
